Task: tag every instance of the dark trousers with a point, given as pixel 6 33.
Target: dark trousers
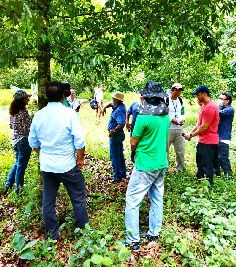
pixel 117 156
pixel 73 180
pixel 223 158
pixel 206 159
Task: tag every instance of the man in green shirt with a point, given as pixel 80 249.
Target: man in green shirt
pixel 149 138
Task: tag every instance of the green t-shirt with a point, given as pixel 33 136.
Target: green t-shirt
pixel 153 131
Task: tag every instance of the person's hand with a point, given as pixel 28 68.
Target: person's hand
pixel 174 121
pixel 80 163
pixel 187 137
pixel 128 126
pixel 112 133
pixel 181 122
pixel 104 111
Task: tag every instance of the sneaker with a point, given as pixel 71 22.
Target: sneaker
pixel 150 238
pixel 133 245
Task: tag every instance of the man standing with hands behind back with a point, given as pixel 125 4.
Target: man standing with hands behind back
pixel 207 130
pixel 56 135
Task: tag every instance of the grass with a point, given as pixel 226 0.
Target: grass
pixel 181 242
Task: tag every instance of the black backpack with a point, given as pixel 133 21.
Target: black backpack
pixel 93 103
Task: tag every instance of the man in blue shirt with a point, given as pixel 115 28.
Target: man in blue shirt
pixel 117 136
pixel 56 135
pixel 226 112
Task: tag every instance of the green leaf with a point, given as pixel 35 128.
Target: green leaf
pixel 97 259
pixel 87 263
pixel 30 244
pixel 18 242
pixel 28 255
pixel 107 261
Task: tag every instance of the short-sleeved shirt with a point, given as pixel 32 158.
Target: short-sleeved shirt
pixel 175 108
pixel 133 110
pixel 118 116
pixel 209 113
pixel 152 131
pixel 98 95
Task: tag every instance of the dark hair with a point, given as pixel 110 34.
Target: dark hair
pixel 227 95
pixel 154 100
pixel 55 91
pixel 16 106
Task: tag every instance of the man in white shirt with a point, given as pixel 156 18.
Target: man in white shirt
pixel 74 102
pixel 56 134
pixel 176 113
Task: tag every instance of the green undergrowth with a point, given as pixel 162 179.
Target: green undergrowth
pixel 199 227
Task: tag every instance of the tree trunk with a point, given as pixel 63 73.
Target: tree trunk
pixel 44 55
pixel 44 71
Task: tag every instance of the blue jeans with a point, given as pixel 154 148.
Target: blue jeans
pixel 142 182
pixel 73 181
pixel 22 153
pixel 117 156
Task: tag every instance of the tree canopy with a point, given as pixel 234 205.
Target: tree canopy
pixel 85 35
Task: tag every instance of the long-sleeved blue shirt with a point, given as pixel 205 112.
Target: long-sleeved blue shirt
pixel 56 130
pixel 226 120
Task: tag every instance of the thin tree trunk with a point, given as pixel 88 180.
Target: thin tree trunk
pixel 44 55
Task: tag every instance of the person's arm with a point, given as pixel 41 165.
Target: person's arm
pixel 80 157
pixel 33 138
pixel 113 132
pixel 134 142
pixel 109 105
pixel 128 125
pixel 197 130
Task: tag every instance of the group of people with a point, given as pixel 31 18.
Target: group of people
pixel 157 122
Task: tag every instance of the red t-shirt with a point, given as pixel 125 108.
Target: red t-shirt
pixel 209 113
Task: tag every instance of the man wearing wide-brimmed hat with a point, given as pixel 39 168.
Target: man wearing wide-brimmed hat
pixel 117 135
pixel 149 139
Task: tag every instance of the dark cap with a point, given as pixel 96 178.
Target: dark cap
pixel 201 89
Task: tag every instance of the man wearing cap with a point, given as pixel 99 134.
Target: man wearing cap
pixel 57 136
pixel 207 131
pixel 176 113
pixel 149 139
pixel 117 135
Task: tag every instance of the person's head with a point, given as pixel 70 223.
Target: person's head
pixel 154 100
pixel 176 90
pixel 117 98
pixel 55 91
pixel 202 93
pixel 101 87
pixel 72 94
pixel 224 99
pixel 20 101
pixel 67 88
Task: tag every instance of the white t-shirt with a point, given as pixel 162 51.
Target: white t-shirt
pixel 99 95
pixel 175 112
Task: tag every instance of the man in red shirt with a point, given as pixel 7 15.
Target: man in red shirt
pixel 207 131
